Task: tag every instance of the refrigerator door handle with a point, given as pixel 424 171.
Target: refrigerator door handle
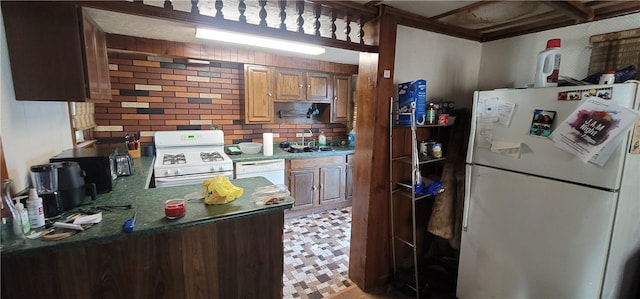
pixel 467 199
pixel 472 136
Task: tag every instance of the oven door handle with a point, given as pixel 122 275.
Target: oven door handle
pixel 182 178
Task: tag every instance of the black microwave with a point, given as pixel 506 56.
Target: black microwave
pixel 98 164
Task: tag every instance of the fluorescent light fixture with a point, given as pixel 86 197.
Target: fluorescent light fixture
pixel 197 61
pixel 258 41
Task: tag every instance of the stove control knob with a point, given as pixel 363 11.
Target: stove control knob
pixel 177 171
pixel 167 172
pixel 213 168
pixel 221 168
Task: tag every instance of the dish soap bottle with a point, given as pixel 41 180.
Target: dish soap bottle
pixel 352 138
pixel 322 140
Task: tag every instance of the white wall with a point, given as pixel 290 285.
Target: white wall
pixel 32 132
pixel 512 62
pixel 449 64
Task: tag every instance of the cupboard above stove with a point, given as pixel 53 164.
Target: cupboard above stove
pixel 57 52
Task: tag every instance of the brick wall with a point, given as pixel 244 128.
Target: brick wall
pixel 159 93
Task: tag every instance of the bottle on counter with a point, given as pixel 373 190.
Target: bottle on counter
pixel 12 233
pixel 24 216
pixel 322 140
pixel 35 209
pixel 352 137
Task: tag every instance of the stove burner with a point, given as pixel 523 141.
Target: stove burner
pixel 211 157
pixel 168 159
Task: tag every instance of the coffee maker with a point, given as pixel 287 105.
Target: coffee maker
pixel 61 186
pixel 45 181
pixel 71 185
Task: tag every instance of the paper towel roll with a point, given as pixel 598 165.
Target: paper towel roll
pixel 267 144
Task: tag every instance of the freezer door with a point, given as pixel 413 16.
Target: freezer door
pixel 538 154
pixel 529 237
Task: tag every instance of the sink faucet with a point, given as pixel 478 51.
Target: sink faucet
pixel 304 132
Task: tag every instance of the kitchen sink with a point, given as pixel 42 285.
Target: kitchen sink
pixel 308 149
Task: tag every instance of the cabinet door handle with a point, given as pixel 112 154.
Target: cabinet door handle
pixel 269 94
pixel 301 85
pixel 309 85
pixel 314 188
pixel 335 98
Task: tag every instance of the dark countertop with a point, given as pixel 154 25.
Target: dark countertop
pixel 279 153
pixel 149 204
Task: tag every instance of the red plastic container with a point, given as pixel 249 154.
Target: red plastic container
pixel 175 208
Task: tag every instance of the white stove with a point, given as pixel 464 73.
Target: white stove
pixel 189 157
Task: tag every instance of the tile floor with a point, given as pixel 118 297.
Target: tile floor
pixel 316 254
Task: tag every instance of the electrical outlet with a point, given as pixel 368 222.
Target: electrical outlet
pixel 276 135
pixel 304 134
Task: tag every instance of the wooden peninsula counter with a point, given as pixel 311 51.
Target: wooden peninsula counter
pixel 233 250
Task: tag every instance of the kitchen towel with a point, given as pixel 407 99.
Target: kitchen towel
pixel 267 146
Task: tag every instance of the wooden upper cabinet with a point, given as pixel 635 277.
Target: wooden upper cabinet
pixel 97 62
pixel 319 87
pixel 341 104
pixel 258 90
pixel 301 86
pixel 290 85
pixel 51 57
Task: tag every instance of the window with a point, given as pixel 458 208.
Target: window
pixel 82 122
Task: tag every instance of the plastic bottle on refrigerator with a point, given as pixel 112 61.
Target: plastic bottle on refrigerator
pixel 548 67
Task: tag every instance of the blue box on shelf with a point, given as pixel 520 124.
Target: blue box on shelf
pixel 412 94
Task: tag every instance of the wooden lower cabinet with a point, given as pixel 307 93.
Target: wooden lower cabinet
pixel 348 193
pixel 332 180
pixel 303 186
pixel 317 184
pixel 236 258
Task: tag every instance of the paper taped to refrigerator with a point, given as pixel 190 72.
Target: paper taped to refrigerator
pixel 511 149
pixel 488 109
pixel 594 125
pixel 496 110
pixel 505 113
pixel 485 134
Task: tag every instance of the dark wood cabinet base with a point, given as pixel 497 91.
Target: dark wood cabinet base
pixel 236 258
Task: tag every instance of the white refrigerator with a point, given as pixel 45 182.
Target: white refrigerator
pixel 539 222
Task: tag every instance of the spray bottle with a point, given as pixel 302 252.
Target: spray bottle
pixel 24 216
pixel 548 67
